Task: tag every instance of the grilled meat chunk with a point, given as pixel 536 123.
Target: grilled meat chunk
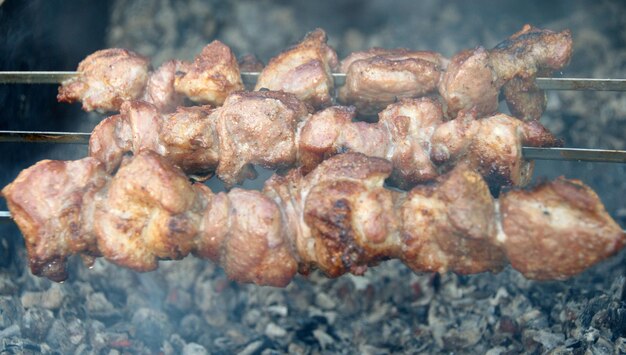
pixel 257 128
pixel 52 203
pixel 108 78
pixel 470 83
pixel 557 229
pixel 492 146
pixel 304 70
pixel 186 137
pixel 451 226
pixel 160 89
pixel 148 212
pixel 340 217
pixel 402 135
pixel 379 77
pixel 212 76
pixel 474 77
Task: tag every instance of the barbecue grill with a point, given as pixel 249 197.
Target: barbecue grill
pixel 308 315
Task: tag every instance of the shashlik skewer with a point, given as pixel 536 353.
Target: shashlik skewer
pixel 275 130
pixel 339 218
pixel 374 79
pixel 575 84
pixel 531 153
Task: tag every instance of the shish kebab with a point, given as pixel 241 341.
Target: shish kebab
pixel 338 218
pixel 375 78
pixel 578 84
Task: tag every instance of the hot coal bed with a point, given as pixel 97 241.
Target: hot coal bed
pixel 190 306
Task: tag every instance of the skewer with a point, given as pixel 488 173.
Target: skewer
pixel 57 77
pixel 577 154
pixel 44 137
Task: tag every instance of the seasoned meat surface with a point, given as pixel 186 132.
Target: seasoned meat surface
pixel 257 128
pixel 304 70
pixel 557 229
pixel 211 77
pixel 519 59
pixel 474 77
pixel 451 226
pixel 379 77
pixel 470 83
pixel 148 212
pixel 491 146
pixel 186 137
pixel 108 78
pixel 160 89
pixel 402 135
pixel 52 203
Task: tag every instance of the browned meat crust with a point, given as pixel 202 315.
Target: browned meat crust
pixel 275 130
pixel 402 135
pixel 451 226
pixel 108 78
pixel 160 89
pixel 303 70
pixel 185 137
pixel 557 229
pixel 379 77
pixel 519 59
pixel 53 204
pixel 470 83
pixel 339 218
pixel 492 146
pixel 257 128
pixel 212 76
pixel 474 77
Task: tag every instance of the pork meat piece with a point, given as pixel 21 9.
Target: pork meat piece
pixel 402 135
pixel 304 70
pixel 257 128
pixel 149 212
pixel 160 89
pixel 492 146
pixel 52 203
pixel 186 137
pixel 379 77
pixel 211 77
pixel 108 78
pixel 450 226
pixel 557 229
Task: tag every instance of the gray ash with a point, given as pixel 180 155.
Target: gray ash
pixel 190 307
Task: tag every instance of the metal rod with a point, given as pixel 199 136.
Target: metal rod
pixel 586 84
pixel 44 137
pixel 35 77
pixel 57 77
pixel 578 154
pixel 5 216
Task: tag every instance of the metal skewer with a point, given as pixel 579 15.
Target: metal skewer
pixel 577 154
pixel 44 137
pixel 57 77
